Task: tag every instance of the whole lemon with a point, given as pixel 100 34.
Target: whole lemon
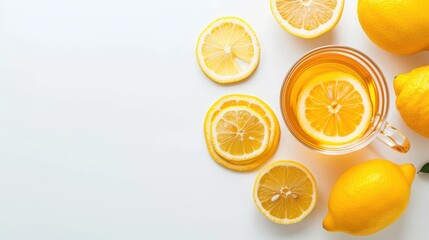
pixel 369 197
pixel 398 26
pixel 412 98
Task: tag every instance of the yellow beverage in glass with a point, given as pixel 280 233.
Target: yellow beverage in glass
pixel 335 100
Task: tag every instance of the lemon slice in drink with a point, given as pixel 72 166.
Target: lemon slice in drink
pixel 228 50
pixel 239 133
pixel 334 108
pixel 285 192
pixel 307 18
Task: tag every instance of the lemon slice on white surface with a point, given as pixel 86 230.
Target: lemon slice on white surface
pixel 239 133
pixel 228 50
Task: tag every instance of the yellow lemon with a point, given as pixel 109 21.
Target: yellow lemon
pixel 307 18
pixel 398 26
pixel 285 192
pixel 228 50
pixel 412 99
pixel 369 197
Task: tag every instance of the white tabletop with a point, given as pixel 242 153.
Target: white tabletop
pixel 102 105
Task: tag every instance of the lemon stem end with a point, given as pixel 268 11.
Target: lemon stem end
pixel 409 171
pixel 328 223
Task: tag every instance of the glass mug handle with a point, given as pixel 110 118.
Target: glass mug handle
pixel 393 138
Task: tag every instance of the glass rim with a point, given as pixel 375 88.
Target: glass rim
pixel 382 94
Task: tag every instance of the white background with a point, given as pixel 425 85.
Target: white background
pixel 102 105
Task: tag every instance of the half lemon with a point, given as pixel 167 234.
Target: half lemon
pixel 307 18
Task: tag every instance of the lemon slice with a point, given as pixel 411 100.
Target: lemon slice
pixel 258 106
pixel 334 108
pixel 285 192
pixel 228 50
pixel 239 133
pixel 307 18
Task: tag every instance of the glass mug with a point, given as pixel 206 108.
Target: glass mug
pixel 352 62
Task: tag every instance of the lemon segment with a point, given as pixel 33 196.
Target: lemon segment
pixel 285 192
pixel 334 108
pixel 239 133
pixel 228 50
pixel 307 18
